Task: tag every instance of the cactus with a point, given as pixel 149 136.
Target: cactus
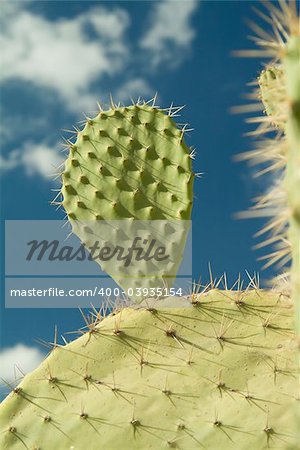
pixel 216 369
pixel 286 115
pixel 219 371
pixel 279 89
pixel 129 172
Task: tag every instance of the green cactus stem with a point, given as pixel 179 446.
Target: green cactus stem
pixel 291 65
pixel 279 144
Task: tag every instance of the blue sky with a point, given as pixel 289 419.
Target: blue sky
pixel 62 57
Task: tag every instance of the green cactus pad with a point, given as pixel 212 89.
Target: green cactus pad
pixel 129 174
pixel 129 162
pixel 221 373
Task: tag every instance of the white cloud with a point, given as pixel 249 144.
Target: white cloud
pixel 86 104
pixel 61 55
pixel 18 125
pixel 39 159
pixel 10 8
pixel 72 57
pixel 170 33
pixel 18 358
pixel 109 25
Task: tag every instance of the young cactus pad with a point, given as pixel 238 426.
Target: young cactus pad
pixel 219 372
pixel 130 169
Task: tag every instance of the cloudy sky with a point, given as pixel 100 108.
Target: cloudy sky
pixel 61 58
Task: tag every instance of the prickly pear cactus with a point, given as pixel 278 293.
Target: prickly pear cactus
pixel 280 91
pixel 130 169
pixel 220 372
pixel 278 146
